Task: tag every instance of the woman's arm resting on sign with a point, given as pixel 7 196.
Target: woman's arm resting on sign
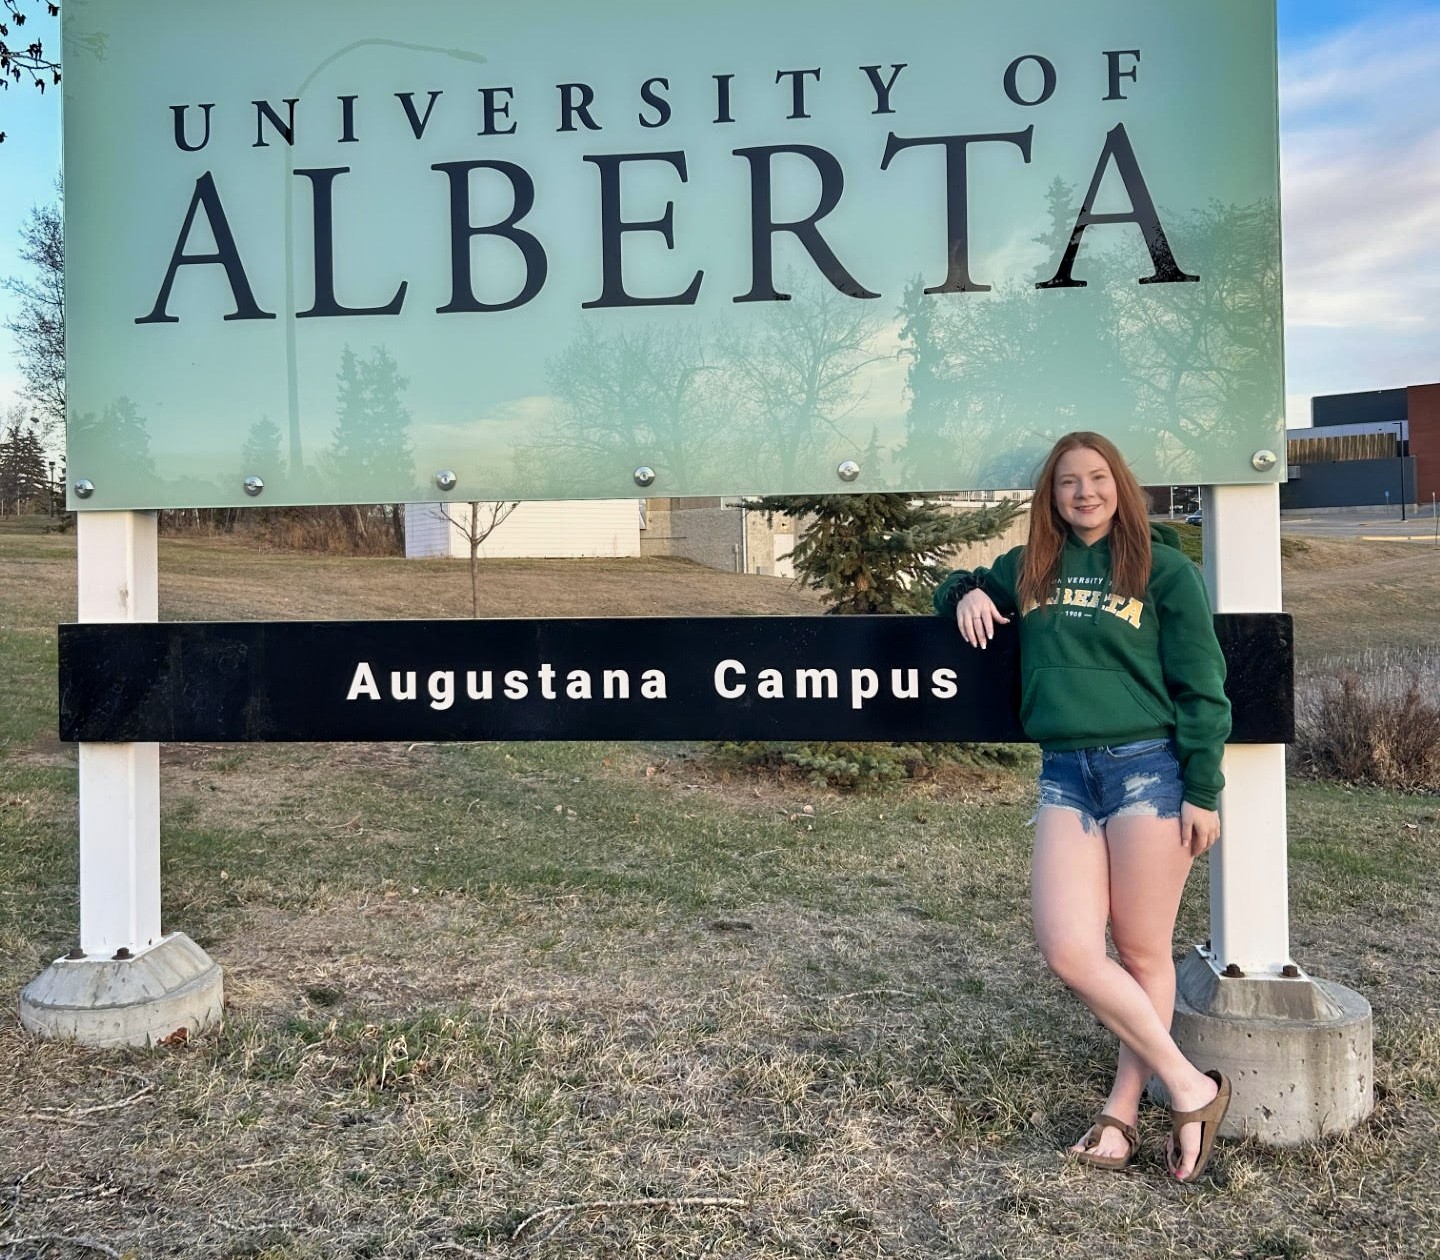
pixel 977 616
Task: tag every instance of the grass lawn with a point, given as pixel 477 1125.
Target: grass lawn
pixel 529 1000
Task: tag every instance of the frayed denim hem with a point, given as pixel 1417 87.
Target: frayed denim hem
pixel 1139 780
pixel 1088 821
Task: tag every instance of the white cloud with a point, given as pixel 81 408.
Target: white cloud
pixel 1360 140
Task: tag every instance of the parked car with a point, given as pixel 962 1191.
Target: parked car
pixel 1195 518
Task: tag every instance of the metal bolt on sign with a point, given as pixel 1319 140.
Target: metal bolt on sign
pixel 446 480
pixel 84 489
pixel 644 476
pixel 848 470
pixel 1264 461
pixel 254 487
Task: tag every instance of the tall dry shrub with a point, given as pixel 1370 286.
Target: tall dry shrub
pixel 1376 722
pixel 348 529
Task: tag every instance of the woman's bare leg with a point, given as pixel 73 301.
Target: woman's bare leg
pixel 1071 895
pixel 1148 868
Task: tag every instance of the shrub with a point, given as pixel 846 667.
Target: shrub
pixel 1376 722
pixel 366 530
pixel 858 767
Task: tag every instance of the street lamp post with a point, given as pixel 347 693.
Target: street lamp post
pixel 1400 451
pixel 292 378
pixel 50 488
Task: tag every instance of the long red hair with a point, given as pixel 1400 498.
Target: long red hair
pixel 1129 532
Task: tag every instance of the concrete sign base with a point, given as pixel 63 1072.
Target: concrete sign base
pixel 1298 1051
pixel 136 1001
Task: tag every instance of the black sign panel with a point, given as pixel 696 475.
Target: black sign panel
pixel 770 678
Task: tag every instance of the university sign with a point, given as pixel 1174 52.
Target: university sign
pixel 491 250
pixel 473 249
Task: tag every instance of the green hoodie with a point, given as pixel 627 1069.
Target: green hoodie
pixel 1099 670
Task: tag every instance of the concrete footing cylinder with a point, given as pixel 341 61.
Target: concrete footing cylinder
pixel 135 1001
pixel 1299 1051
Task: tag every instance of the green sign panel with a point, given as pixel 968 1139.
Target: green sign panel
pixel 358 252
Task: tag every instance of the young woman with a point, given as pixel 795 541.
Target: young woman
pixel 1122 685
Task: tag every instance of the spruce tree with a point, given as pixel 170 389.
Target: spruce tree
pixel 23 481
pixel 881 553
pixel 872 553
pixel 372 446
pixel 262 448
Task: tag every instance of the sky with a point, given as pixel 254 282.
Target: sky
pixel 1360 180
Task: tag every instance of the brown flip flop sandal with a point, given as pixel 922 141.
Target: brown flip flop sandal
pixel 1209 1118
pixel 1092 1139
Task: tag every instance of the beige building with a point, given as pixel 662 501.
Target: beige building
pixel 729 534
pixel 537 529
pixel 720 533
pixel 726 534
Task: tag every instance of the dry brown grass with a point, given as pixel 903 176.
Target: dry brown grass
pixel 215 579
pixel 413 1075
pixel 1367 621
pixel 222 578
pixel 1348 594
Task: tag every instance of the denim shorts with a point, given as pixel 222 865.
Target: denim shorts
pixel 1104 783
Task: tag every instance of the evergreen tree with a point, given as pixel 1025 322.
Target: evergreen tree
pixel 372 447
pixel 371 455
pixel 872 553
pixel 881 553
pixel 262 451
pixel 22 469
pixel 119 441
pixel 1060 210
pixel 927 417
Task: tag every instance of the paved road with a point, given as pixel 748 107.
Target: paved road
pixel 1358 523
pixel 1361 523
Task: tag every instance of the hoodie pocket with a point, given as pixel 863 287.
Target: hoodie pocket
pixel 1147 704
pixel 1099 705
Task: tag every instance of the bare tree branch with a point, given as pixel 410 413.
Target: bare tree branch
pixel 20 60
pixel 483 520
pixel 39 324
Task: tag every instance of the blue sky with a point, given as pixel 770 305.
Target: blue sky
pixel 1360 173
pixel 1360 155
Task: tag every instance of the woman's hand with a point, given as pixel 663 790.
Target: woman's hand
pixel 1199 828
pixel 977 617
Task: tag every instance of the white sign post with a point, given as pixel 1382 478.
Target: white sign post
pixel 1299 1049
pixel 126 984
